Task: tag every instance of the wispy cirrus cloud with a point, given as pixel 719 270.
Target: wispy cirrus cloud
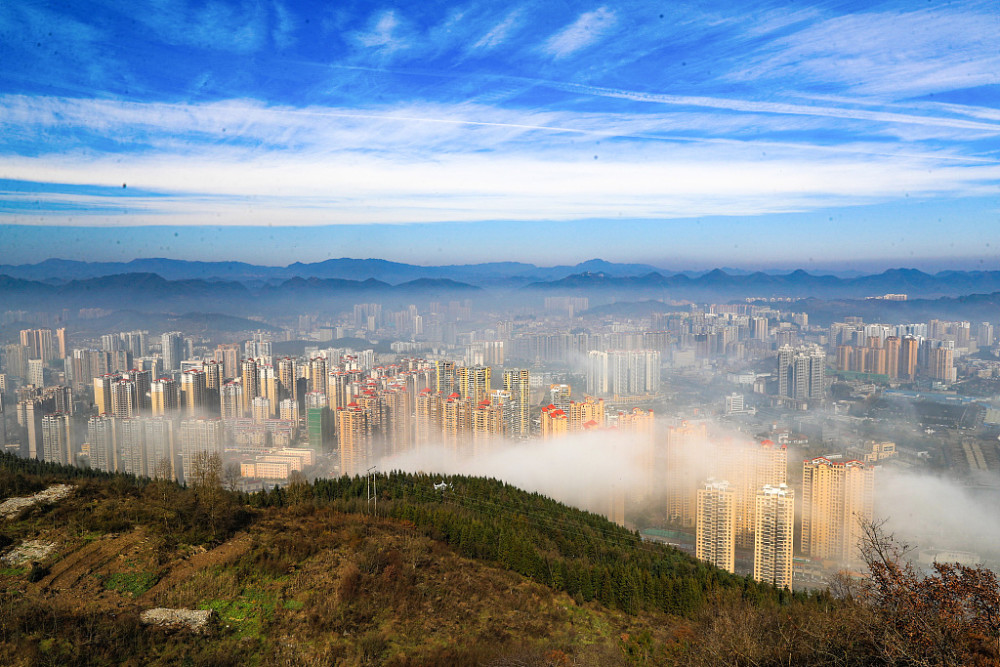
pixel 384 35
pixel 499 32
pixel 283 31
pixel 968 110
pixel 55 125
pixel 768 22
pixel 587 29
pixel 758 106
pixel 445 163
pixel 239 28
pixel 879 53
pixel 42 46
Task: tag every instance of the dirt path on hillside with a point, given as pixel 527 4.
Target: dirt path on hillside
pixel 183 570
pixel 75 569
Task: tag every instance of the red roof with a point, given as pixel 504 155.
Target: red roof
pixel 822 459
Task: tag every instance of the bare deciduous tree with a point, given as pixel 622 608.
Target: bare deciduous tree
pixel 231 476
pixel 949 617
pixel 206 478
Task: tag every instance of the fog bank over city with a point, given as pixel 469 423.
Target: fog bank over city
pixel 931 512
pixel 584 470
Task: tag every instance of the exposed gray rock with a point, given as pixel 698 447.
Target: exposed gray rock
pixel 29 550
pixel 195 620
pixel 12 506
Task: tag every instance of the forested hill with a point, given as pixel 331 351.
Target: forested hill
pixel 566 549
pixel 561 547
pixel 476 573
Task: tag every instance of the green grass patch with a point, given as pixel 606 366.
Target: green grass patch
pixel 246 614
pixel 131 583
pixel 593 628
pixel 12 571
pixel 293 605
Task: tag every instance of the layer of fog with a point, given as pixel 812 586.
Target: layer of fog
pixel 589 470
pixel 581 470
pixel 930 512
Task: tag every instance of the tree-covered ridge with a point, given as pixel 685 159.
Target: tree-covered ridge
pixel 567 549
pixel 570 550
pixel 20 476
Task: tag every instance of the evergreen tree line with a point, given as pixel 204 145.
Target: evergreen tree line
pixel 23 477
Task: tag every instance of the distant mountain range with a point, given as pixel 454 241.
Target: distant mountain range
pixel 797 284
pixel 595 275
pixel 239 289
pixel 146 290
pixel 62 270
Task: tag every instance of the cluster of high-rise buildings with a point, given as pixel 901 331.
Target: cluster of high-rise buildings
pixel 736 495
pixel 623 373
pixel 904 352
pixel 245 400
pixel 801 372
pixel 900 358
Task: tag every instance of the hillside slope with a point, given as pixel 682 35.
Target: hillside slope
pixel 298 584
pixel 476 573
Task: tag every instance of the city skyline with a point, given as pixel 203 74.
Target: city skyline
pixel 792 136
pixel 764 386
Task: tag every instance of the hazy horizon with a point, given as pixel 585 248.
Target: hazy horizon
pixel 28 245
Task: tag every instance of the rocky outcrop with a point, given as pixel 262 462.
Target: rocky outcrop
pixel 29 551
pixel 12 506
pixel 200 621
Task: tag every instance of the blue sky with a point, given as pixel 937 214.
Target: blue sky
pixel 687 135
